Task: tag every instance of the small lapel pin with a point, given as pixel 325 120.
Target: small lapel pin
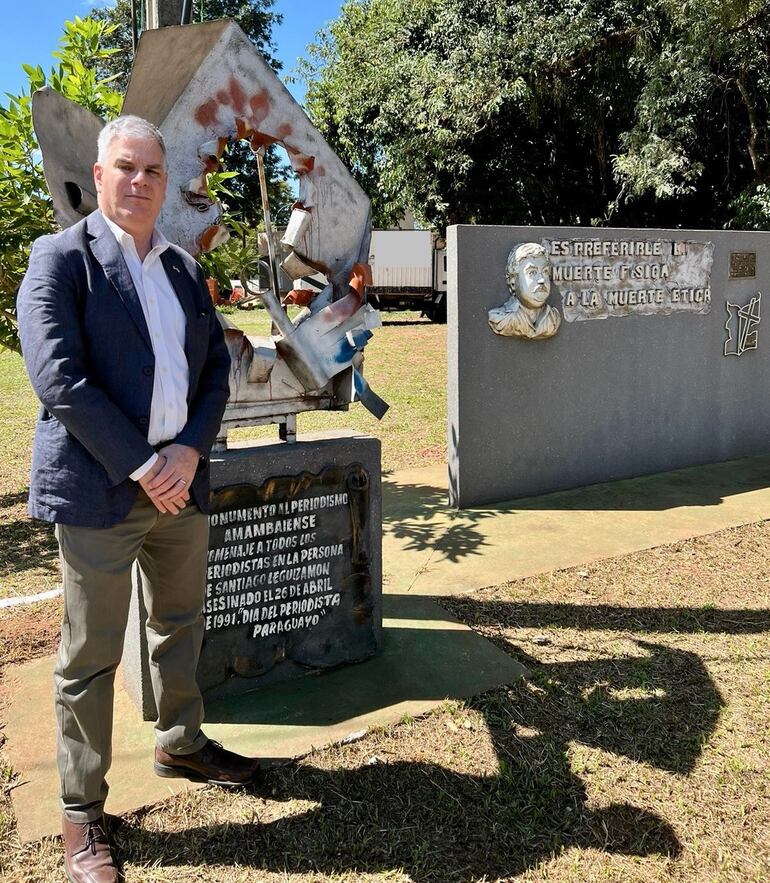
pixel 174 267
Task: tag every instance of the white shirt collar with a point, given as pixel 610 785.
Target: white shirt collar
pixel 126 241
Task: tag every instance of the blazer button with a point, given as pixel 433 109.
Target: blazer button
pixel 143 421
pixel 147 370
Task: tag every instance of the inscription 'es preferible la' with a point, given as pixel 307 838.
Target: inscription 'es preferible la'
pixel 599 278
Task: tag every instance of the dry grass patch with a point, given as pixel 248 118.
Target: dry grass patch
pixel 650 676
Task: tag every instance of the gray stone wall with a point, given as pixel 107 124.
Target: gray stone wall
pixel 630 392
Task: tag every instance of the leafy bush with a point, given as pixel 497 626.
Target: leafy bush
pixel 27 208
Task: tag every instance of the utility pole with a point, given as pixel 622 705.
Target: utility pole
pixel 162 13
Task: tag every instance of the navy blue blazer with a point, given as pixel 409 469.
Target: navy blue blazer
pixel 88 353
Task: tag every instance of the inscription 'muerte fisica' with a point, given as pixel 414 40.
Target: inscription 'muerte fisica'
pixel 598 278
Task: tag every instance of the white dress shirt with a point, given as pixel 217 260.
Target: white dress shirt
pixel 166 323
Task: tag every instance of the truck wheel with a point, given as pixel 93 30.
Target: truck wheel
pixel 436 312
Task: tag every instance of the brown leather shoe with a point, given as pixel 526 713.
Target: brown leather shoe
pixel 87 854
pixel 213 764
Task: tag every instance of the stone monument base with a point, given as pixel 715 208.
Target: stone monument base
pixel 294 581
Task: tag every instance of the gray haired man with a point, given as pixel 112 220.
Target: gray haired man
pixel 128 359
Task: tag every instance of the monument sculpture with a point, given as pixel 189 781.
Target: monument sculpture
pixel 526 313
pixel 294 578
pixel 223 90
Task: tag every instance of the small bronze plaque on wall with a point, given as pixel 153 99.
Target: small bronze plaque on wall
pixel 743 264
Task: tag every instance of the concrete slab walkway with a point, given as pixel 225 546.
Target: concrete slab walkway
pixel 431 549
pixel 427 657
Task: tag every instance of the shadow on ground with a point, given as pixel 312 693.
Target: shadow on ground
pixel 7 501
pixel 610 617
pixel 404 322
pixel 417 818
pixel 421 514
pixel 409 513
pixel 654 704
pixel 26 544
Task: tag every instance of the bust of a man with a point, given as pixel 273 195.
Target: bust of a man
pixel 526 313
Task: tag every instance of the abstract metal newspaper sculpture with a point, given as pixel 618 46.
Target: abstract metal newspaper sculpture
pixel 205 86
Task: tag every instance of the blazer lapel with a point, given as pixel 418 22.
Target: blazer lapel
pixel 107 251
pixel 180 282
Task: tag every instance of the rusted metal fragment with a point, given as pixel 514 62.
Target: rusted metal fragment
pixel 67 133
pixel 299 297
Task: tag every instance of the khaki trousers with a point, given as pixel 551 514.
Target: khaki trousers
pixel 96 568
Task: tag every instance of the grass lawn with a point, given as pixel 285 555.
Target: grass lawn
pixel 638 751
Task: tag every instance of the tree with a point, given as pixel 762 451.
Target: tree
pixel 27 209
pixel 254 17
pixel 550 111
pixel 256 20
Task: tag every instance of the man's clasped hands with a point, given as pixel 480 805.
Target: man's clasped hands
pixel 167 481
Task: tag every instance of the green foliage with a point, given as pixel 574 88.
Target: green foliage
pixel 548 111
pixel 27 210
pixel 751 209
pixel 254 17
pixel 237 258
pixel 239 255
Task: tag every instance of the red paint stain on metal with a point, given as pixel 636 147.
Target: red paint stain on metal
pixel 260 106
pixel 284 130
pixel 207 113
pixel 207 237
pixel 261 139
pixel 300 297
pixel 341 309
pixel 234 96
pixel 242 129
pixel 320 171
pixel 238 96
pixel 301 162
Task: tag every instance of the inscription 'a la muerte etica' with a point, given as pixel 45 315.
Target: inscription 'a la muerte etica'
pixel 598 278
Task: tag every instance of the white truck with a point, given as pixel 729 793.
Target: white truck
pixel 409 272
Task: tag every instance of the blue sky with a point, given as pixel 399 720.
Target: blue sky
pixel 31 28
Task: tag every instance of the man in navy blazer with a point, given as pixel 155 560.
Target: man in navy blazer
pixel 127 356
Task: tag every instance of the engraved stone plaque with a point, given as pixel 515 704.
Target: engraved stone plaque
pixel 294 571
pixel 599 278
pixel 289 580
pixel 743 264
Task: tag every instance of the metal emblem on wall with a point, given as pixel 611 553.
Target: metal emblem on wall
pixel 742 326
pixel 743 264
pixel 289 576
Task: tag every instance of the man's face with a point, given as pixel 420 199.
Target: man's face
pixel 534 278
pixel 131 184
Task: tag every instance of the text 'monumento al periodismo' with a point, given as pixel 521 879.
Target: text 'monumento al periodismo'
pixel 289 576
pixel 598 278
